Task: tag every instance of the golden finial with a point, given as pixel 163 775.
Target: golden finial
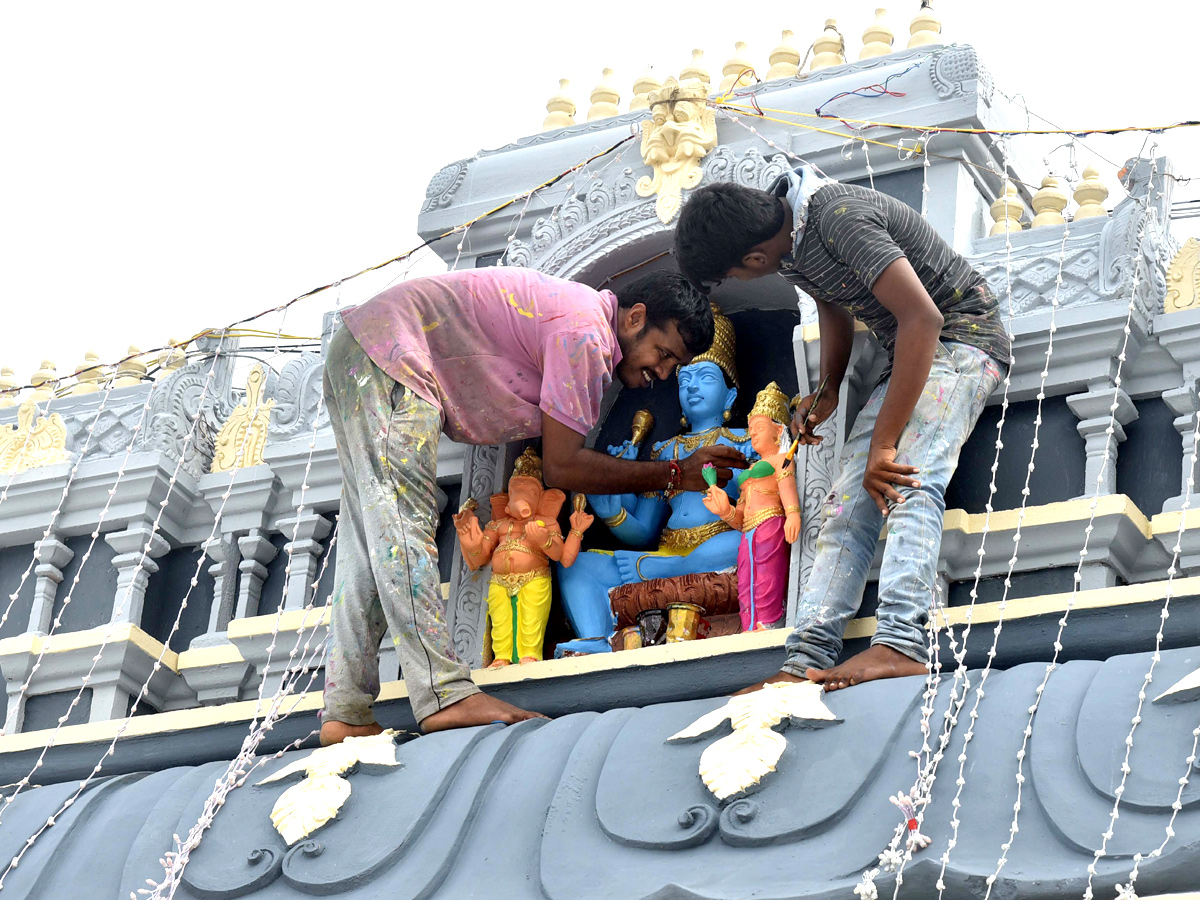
pixel 8 387
pixel 829 49
pixel 605 98
pixel 44 381
pixel 643 424
pixel 89 374
pixel 1049 202
pixel 723 351
pixel 1006 211
pixel 694 69
pixel 1090 195
pixel 132 371
pixel 784 59
pixel 926 27
pixel 878 38
pixel 171 358
pixel 560 107
pixel 772 403
pixel 528 465
pixel 738 70
pixel 646 83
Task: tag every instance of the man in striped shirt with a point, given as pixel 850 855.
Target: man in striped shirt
pixel 863 254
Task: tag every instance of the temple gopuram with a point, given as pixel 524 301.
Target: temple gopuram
pixel 168 547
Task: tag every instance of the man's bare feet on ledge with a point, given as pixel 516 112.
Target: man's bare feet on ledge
pixel 478 709
pixel 335 732
pixel 879 661
pixel 782 676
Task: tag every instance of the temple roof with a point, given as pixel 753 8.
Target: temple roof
pixel 601 805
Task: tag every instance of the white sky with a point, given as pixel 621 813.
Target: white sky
pixel 168 167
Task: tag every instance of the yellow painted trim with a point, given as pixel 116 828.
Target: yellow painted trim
pixel 209 656
pixel 1050 514
pixel 1168 523
pixel 243 711
pixel 67 642
pixel 290 621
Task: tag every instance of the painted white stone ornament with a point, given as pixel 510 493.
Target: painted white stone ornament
pixel 1185 689
pixel 305 807
pixel 739 761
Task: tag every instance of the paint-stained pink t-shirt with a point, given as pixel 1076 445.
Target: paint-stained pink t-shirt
pixel 494 348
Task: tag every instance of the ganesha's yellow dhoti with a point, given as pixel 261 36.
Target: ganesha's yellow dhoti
pixel 519 607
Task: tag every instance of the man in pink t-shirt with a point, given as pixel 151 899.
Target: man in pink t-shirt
pixel 487 356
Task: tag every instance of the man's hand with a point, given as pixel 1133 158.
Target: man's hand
pixel 824 409
pixel 883 474
pixel 725 459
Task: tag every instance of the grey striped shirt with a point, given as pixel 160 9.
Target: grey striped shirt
pixel 854 233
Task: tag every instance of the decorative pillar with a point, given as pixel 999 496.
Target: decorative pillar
pixel 52 555
pixel 137 549
pixel 784 59
pixel 304 551
pixel 878 37
pixel 256 550
pixel 1101 417
pixel 224 553
pixel 1090 195
pixel 926 27
pixel 829 49
pixel 642 88
pixel 1049 202
pixel 738 71
pixel 695 69
pixel 605 98
pixel 1185 403
pixel 8 387
pixel 1006 211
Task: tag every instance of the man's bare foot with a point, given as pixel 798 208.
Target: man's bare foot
pixel 335 732
pixel 879 661
pixel 782 676
pixel 478 709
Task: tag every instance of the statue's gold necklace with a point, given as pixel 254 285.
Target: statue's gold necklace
pixel 690 442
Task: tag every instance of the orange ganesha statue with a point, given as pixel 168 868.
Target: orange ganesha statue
pixel 767 514
pixel 520 540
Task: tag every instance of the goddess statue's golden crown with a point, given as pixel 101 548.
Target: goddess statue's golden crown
pixel 528 464
pixel 724 345
pixel 772 403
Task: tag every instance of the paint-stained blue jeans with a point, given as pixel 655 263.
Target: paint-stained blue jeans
pixel 960 382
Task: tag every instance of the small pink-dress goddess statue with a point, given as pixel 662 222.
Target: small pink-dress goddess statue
pixel 767 514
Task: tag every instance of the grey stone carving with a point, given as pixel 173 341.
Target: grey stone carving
pixel 111 428
pixel 953 68
pixel 751 169
pixel 1133 244
pixel 440 192
pixel 1035 268
pixel 483 473
pixel 546 809
pixel 297 398
pixel 184 396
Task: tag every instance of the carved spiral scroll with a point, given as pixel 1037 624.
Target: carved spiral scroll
pixel 266 862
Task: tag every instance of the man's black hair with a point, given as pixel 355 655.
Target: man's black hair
pixel 719 224
pixel 669 297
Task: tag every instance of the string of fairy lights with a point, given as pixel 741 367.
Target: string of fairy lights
pixel 308 659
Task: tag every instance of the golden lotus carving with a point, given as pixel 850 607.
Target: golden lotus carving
pixel 242 438
pixel 305 807
pixel 738 762
pixel 33 442
pixel 1183 278
pixel 680 132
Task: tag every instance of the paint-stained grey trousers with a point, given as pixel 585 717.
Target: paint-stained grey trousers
pixel 387 573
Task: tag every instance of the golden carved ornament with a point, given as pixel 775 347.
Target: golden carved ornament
pixel 33 442
pixel 739 761
pixel 305 807
pixel 242 438
pixel 679 133
pixel 784 59
pixel 695 69
pixel 605 98
pixel 646 84
pixel 738 71
pixel 772 403
pixel 1183 278
pixel 132 371
pixel 1006 211
pixel 171 358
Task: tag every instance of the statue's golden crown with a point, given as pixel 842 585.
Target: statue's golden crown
pixel 528 464
pixel 724 346
pixel 772 403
